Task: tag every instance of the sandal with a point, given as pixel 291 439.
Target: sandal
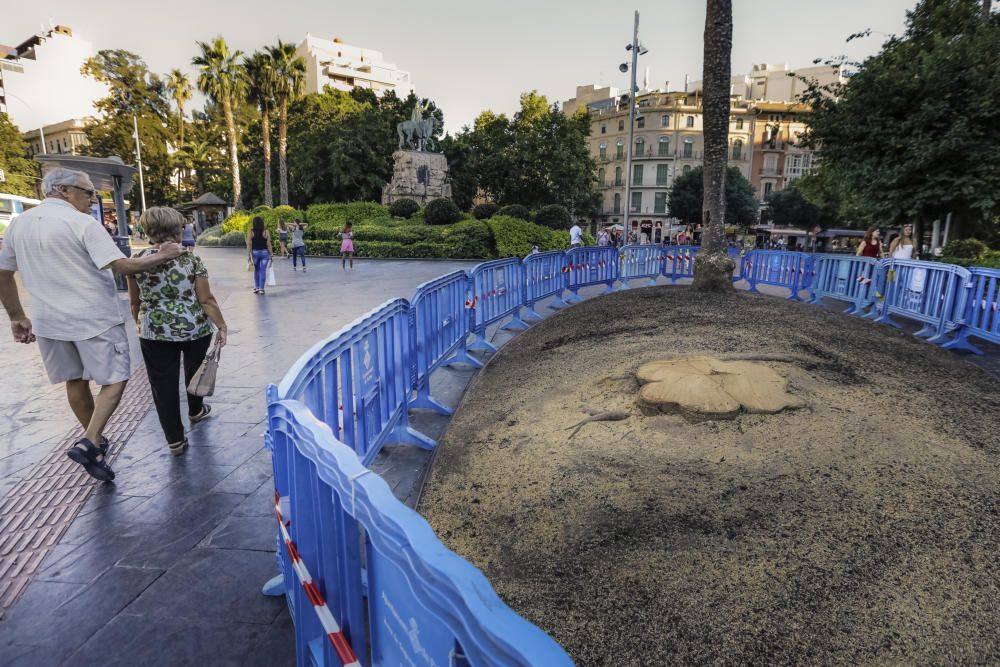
pixel 85 453
pixel 178 448
pixel 206 412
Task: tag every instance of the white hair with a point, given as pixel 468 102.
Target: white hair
pixel 61 176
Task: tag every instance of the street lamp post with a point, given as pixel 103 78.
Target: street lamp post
pixel 637 50
pixel 138 158
pixel 41 130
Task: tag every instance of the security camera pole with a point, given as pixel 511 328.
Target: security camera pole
pixel 634 48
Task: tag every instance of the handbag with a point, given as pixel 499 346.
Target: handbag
pixel 249 264
pixel 271 280
pixel 203 381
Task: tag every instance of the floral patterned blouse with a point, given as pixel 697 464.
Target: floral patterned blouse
pixel 168 306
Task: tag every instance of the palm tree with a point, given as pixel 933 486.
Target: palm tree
pixel 290 71
pixel 713 269
pixel 220 80
pixel 197 157
pixel 261 81
pixel 180 88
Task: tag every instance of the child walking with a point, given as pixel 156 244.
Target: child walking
pixel 347 245
pixel 283 239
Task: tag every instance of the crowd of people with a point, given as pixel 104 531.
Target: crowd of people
pixel 78 325
pixel 260 248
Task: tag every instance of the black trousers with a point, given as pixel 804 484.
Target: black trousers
pixel 163 360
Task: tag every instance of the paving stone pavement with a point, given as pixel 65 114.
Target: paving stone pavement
pixel 165 566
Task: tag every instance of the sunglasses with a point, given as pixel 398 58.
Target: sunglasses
pixel 90 193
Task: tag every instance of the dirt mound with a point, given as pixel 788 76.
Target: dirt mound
pixel 863 527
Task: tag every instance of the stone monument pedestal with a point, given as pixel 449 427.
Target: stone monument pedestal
pixel 419 176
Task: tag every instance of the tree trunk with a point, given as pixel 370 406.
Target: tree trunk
pixel 713 268
pixel 180 129
pixel 282 148
pixel 234 159
pixel 265 127
pixel 986 9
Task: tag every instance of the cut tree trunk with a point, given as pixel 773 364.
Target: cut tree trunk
pixel 282 151
pixel 265 128
pixel 234 159
pixel 713 269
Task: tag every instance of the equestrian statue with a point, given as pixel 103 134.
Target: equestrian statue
pixel 418 132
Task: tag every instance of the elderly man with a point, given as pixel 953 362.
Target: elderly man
pixel 65 258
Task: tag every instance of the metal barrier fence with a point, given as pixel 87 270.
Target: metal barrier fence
pixel 982 311
pixel 358 381
pixel 545 274
pixel 780 268
pixel 496 291
pixel 368 582
pixel 844 277
pixel 641 261
pixel 927 292
pixel 439 332
pixel 591 265
pixel 373 572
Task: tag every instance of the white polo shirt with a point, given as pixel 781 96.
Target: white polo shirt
pixel 575 235
pixel 62 256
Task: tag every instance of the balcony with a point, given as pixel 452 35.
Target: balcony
pixel 767 172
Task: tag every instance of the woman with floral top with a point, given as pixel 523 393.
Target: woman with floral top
pixel 174 310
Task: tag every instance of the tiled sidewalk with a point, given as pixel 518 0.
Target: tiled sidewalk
pixel 165 566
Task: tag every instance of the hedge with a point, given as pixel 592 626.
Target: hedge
pixel 485 211
pixel 404 208
pixel 469 239
pixel 554 216
pixel 515 211
pixel 441 211
pixel 333 216
pixel 240 221
pixel 514 237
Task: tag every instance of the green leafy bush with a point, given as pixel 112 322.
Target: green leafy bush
pixel 515 211
pixel 468 239
pixel 240 221
pixel 333 216
pixel 485 211
pixel 441 211
pixel 514 237
pixel 554 216
pixel 965 249
pixel 988 260
pixel 403 208
pixel 259 209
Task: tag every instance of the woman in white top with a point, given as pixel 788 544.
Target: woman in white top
pixel 902 247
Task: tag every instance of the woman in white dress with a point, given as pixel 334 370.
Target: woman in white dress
pixel 903 247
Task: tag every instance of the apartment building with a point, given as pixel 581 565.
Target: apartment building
pixel 345 67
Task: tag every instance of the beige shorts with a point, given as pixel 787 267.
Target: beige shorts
pixel 103 358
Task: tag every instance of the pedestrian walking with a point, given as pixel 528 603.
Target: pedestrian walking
pixel 283 239
pixel 258 252
pixel 65 259
pixel 174 311
pixel 903 247
pixel 346 247
pixel 871 245
pixel 575 236
pixel 187 233
pixel 603 238
pixel 298 244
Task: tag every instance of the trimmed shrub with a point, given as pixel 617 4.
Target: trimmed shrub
pixel 210 237
pixel 965 249
pixel 515 211
pixel 260 208
pixel 988 260
pixel 240 221
pixel 485 211
pixel 403 208
pixel 514 237
pixel 554 216
pixel 441 211
pixel 333 216
pixel 469 239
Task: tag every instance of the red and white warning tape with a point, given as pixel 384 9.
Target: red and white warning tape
pixel 333 632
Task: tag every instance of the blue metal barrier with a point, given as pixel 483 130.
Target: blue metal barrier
pixel 927 292
pixel 679 261
pixel 780 268
pixel 845 277
pixel 545 275
pixel 358 381
pixel 496 290
pixel 591 265
pixel 363 569
pixel 440 330
pixel 641 261
pixel 982 312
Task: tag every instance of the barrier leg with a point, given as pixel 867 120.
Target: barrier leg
pixel 885 319
pixel 926 331
pixel 275 586
pixel 481 343
pixel 462 356
pixel 573 296
pixel 403 433
pixel 652 281
pixel 611 287
pixel 961 342
pixel 424 401
pixel 558 302
pixel 623 283
pixel 530 313
pixel 516 323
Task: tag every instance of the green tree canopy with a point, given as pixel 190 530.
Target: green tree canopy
pixel 791 208
pixel 687 193
pixel 912 134
pixel 20 173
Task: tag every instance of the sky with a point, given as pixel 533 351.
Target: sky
pixel 470 56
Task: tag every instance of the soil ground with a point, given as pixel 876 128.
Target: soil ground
pixel 863 528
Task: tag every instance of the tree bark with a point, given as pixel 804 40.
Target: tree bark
pixel 986 9
pixel 282 149
pixel 713 268
pixel 265 128
pixel 234 159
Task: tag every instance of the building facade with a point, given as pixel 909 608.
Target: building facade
pixel 345 67
pixel 66 138
pixel 40 80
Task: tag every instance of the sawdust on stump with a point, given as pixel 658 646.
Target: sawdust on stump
pixel 861 527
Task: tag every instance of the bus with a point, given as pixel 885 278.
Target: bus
pixel 12 206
